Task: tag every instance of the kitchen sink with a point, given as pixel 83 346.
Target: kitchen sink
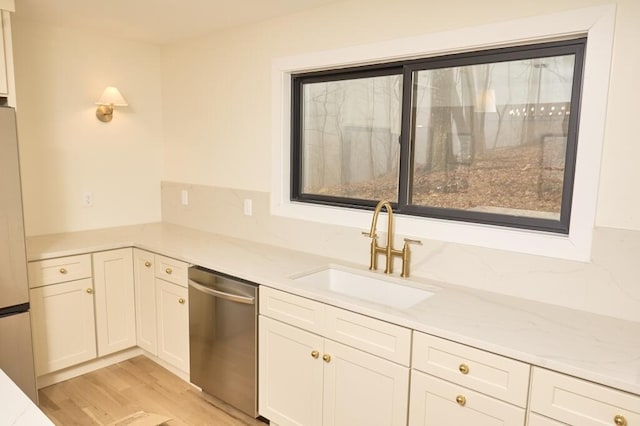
pixel 365 286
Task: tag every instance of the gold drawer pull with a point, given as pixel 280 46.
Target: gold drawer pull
pixel 326 358
pixel 461 400
pixel 619 420
pixel 315 354
pixel 63 271
pixel 147 264
pixel 181 301
pixel 90 290
pixel 168 271
pixel 464 368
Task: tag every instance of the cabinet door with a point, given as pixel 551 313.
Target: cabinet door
pixel 145 289
pixel 114 300
pixel 290 374
pixel 173 324
pixel 63 325
pixel 363 389
pixel 435 402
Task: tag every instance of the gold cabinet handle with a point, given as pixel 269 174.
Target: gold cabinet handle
pixel 168 271
pixel 147 264
pixel 326 358
pixel 181 301
pixel 461 400
pixel 619 420
pixel 315 354
pixel 464 368
pixel 90 290
pixel 63 271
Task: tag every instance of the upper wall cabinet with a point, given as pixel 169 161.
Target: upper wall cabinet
pixel 7 84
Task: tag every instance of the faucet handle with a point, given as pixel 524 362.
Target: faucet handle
pixel 408 241
pixel 368 234
pixel 406 256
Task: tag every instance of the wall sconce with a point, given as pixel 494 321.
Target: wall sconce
pixel 110 98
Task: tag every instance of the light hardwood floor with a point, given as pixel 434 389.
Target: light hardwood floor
pixel 139 384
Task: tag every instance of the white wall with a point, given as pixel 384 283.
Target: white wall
pixel 618 203
pixel 218 94
pixel 215 120
pixel 65 151
pixel 217 111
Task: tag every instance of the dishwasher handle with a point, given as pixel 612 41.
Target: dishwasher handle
pixel 248 300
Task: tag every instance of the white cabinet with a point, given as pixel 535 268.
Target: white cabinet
pixel 307 378
pixel 362 389
pixel 291 374
pixel 172 311
pixel 173 324
pixel 456 384
pixel 162 307
pixel 114 300
pixel 145 291
pixel 62 313
pixel 62 325
pixel 436 402
pixel 93 305
pixel 76 318
pixel 578 402
pixel 172 270
pixel 59 270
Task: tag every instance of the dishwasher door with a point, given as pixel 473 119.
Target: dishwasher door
pixel 223 337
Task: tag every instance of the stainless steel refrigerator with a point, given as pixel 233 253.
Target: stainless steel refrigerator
pixel 16 353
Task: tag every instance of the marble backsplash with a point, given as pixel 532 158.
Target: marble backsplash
pixel 608 285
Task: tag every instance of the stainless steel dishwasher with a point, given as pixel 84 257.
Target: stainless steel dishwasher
pixel 223 323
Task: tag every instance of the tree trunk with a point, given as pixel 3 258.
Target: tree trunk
pixel 440 129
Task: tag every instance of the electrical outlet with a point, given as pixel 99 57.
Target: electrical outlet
pixel 184 197
pixel 248 207
pixel 87 199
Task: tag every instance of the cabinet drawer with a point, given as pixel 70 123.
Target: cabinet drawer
pixel 482 371
pixel 294 310
pixel 172 270
pixel 436 402
pixel 578 402
pixel 377 337
pixel 62 269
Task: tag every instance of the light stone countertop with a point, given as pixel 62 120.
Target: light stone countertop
pixel 16 407
pixel 597 348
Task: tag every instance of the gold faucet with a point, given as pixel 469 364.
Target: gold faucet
pixel 388 250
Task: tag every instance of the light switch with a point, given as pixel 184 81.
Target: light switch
pixel 184 197
pixel 248 207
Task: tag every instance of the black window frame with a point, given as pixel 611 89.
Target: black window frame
pixel 406 69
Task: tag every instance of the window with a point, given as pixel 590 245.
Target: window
pixel 485 137
pixel 596 24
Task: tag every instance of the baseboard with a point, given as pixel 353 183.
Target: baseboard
pixel 184 376
pixel 87 367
